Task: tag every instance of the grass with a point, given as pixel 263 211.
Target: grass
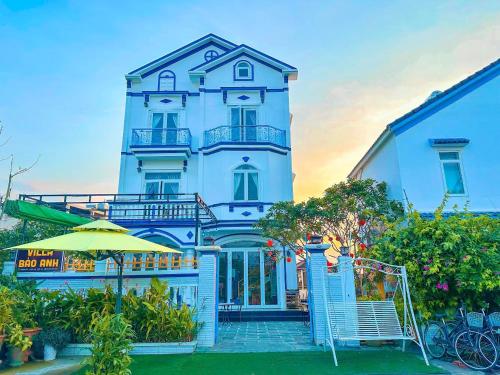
pixel 301 363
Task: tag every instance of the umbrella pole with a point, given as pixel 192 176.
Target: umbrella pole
pixel 118 308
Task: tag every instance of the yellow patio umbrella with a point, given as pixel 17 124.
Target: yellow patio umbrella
pixel 99 239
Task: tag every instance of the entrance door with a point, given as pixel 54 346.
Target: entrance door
pixel 243 124
pixel 249 277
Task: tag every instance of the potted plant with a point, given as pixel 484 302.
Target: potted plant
pixel 18 345
pixel 6 303
pixel 53 339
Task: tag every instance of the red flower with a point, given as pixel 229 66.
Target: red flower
pixel 330 239
pixel 288 259
pixel 362 246
pixel 362 222
pixel 351 255
pixel 270 253
pixel 269 243
pixel 358 262
pixel 329 264
pixel 338 238
pixel 308 236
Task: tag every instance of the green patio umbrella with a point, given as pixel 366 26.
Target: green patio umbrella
pixel 99 240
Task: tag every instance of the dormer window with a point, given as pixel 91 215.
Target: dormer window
pixel 166 81
pixel 243 71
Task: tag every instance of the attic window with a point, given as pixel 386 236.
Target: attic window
pixel 166 81
pixel 243 71
pixel 211 54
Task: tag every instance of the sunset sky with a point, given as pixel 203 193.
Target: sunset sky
pixel 361 65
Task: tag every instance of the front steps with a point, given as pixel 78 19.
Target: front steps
pixel 265 316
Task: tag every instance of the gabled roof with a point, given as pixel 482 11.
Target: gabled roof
pixel 178 54
pixel 429 107
pixel 244 50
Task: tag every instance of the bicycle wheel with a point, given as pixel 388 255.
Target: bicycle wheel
pixel 476 350
pixel 435 340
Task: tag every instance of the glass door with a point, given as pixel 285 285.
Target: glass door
pixel 243 124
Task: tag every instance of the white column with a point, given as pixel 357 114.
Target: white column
pixel 207 302
pixel 316 263
pixel 346 272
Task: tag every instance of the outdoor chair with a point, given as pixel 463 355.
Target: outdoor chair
pixel 238 306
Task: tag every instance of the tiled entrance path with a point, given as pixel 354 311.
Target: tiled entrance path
pixel 263 337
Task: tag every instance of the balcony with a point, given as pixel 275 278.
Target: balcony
pixel 161 143
pixel 259 136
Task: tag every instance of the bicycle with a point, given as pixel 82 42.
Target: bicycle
pixel 474 348
pixel 492 328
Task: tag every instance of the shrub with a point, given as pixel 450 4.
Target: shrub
pixel 6 303
pixel 111 339
pixel 16 337
pixel 449 260
pixel 56 337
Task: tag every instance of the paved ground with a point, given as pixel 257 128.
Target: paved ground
pixel 247 337
pixel 58 367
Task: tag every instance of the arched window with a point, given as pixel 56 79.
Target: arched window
pixel 166 81
pixel 245 183
pixel 243 71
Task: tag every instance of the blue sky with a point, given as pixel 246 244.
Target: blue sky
pixel 361 64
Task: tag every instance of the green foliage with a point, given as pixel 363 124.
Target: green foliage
pixel 111 339
pixel 448 260
pixel 56 337
pixel 349 214
pixel 16 338
pixel 6 305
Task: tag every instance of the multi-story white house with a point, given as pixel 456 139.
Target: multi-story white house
pixel 206 143
pixel 448 145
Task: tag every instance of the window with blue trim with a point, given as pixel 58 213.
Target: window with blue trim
pixel 245 183
pixel 452 172
pixel 211 54
pixel 243 71
pixel 166 81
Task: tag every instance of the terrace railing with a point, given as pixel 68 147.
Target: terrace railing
pixel 245 134
pixel 161 137
pixel 123 208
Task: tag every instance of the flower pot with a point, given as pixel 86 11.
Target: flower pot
pixel 49 353
pixel 14 356
pixel 30 332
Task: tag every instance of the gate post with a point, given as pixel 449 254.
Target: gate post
pixel 316 264
pixel 348 292
pixel 208 294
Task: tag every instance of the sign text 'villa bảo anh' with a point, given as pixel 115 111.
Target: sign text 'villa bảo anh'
pixel 39 261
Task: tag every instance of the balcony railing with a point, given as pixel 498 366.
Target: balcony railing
pixel 127 207
pixel 161 137
pixel 245 134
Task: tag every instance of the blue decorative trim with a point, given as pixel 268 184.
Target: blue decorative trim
pixel 262 96
pixel 245 159
pixel 285 78
pixel 221 57
pixel 157 223
pixel 129 83
pixel 202 81
pixel 243 97
pixel 125 276
pixel 230 223
pixel 165 101
pixel 135 94
pixel 189 235
pixel 238 234
pixel 151 230
pixel 242 88
pixel 238 57
pixel 166 74
pixel 242 204
pixel 448 142
pixel 246 213
pixel 183 100
pixel 189 45
pixel 250 73
pixel 245 148
pixel 224 96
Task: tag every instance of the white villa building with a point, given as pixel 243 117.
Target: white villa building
pixel 448 145
pixel 205 152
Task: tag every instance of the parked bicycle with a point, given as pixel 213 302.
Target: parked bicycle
pixel 463 338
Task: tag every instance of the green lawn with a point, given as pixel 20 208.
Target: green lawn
pixel 303 363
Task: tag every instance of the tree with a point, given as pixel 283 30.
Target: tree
pixel 349 214
pixel 449 260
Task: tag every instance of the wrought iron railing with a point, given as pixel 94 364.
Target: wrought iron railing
pixel 161 137
pixel 125 207
pixel 244 134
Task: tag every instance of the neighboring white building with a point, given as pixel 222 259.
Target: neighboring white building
pixel 210 122
pixel 448 145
